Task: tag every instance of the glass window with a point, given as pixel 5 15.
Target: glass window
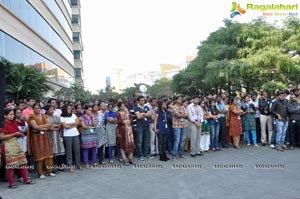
pixel 76 36
pixel 76 54
pixel 16 52
pixel 75 19
pixel 25 11
pixel 77 72
pixel 74 2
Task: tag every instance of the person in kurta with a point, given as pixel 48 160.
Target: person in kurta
pixel 56 137
pixel 111 127
pixel 89 137
pixel 125 138
pixel 235 125
pixel 205 135
pixel 39 143
pixel 11 151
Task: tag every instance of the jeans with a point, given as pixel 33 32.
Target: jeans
pixel 214 133
pixel 72 143
pixel 117 151
pixel 253 133
pixel 143 141
pixel 179 138
pixel 281 127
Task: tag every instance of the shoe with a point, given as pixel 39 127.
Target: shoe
pixel 218 149
pixel 263 144
pixel 142 158
pixel 111 162
pixel 272 146
pixel 29 182
pixel 87 166
pixel 79 167
pixel 51 174
pixel 43 177
pixel 248 144
pixel 70 170
pixel 225 146
pixel 200 154
pixel 279 148
pixel 151 157
pixel 256 145
pixel 126 163
pixel 193 155
pixel 162 158
pixel 284 146
pixel 120 160
pixel 132 162
pixel 174 159
pixel 181 156
pixel 166 157
pixel 237 147
pixel 292 148
pixel 13 186
pixel 213 149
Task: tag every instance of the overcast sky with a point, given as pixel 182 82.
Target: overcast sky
pixel 129 34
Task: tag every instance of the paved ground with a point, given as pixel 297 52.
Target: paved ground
pixel 207 177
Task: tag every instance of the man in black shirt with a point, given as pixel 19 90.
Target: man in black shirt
pixel 279 109
pixel 265 118
pixel 142 127
pixel 293 108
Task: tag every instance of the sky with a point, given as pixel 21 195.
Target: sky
pixel 139 35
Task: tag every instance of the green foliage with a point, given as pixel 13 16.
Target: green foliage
pixel 243 56
pixel 23 81
pixel 76 91
pixel 272 86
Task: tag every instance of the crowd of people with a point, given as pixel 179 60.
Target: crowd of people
pixel 65 136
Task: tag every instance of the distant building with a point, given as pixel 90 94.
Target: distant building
pixel 147 77
pixel 169 70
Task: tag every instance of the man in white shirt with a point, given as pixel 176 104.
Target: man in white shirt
pixel 195 116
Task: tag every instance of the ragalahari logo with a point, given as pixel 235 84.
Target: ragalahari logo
pixel 236 10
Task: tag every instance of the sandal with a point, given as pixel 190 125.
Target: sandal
pixel 29 182
pixel 13 186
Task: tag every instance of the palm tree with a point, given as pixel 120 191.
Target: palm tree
pixel 24 81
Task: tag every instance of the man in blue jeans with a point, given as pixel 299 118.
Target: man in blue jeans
pixel 142 127
pixel 180 123
pixel 279 109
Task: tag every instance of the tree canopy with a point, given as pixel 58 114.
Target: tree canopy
pixel 243 55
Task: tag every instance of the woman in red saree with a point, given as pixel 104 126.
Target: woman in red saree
pixel 12 151
pixel 125 138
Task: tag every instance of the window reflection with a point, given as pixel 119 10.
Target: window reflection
pixel 31 17
pixel 16 52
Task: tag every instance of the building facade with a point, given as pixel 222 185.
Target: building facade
pixel 39 33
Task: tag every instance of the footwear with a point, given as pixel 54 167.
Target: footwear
pixel 120 160
pixel 218 149
pixel 256 145
pixel 225 146
pixel 263 144
pixel 279 148
pixel 87 166
pixel 131 162
pixel 51 174
pixel 111 162
pixel 142 158
pixel 272 146
pixel 174 159
pixel 292 148
pixel 162 158
pixel 284 146
pixel 126 163
pixel 248 144
pixel 200 154
pixel 237 147
pixel 43 177
pixel 166 157
pixel 29 182
pixel 13 186
pixel 21 179
pixel 193 155
pixel 151 157
pixel 181 156
pixel 213 149
pixel 79 167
